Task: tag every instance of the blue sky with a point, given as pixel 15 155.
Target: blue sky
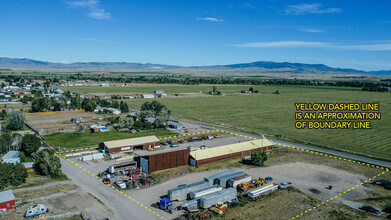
pixel 349 34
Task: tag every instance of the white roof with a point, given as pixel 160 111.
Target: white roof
pixel 131 141
pixel 230 149
pixel 6 196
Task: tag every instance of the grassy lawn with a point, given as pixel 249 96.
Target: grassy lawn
pixel 285 204
pixel 273 114
pixel 85 139
pixel 34 179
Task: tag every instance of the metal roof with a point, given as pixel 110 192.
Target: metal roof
pixel 229 149
pixel 11 155
pixel 6 196
pixel 131 141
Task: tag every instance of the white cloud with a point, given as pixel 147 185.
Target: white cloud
pixel 95 9
pixel 277 44
pixel 314 8
pixel 311 30
pixel 313 44
pixel 210 19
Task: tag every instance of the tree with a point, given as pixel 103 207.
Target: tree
pixel 12 174
pixel 5 141
pixel 258 158
pixel 76 101
pixel 214 89
pixel 15 120
pixel 3 114
pixel 115 104
pixel 88 105
pixel 125 107
pixel 251 90
pixel 30 144
pixel 40 104
pixel 46 163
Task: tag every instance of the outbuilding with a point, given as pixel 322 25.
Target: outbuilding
pixel 11 157
pixel 243 149
pixel 7 200
pixel 142 143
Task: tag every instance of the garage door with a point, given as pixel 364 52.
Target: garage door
pixel 144 164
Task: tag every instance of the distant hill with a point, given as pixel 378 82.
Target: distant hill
pixel 260 67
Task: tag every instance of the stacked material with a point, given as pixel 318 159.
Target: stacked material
pixel 222 180
pixel 211 179
pixel 182 192
pixel 206 191
pixel 220 196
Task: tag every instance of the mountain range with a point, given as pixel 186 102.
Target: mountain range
pixel 258 67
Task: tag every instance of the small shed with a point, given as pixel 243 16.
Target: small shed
pixel 7 200
pixel 11 157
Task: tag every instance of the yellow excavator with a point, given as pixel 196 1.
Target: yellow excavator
pixel 259 182
pixel 244 186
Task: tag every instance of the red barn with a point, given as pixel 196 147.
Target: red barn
pixel 7 200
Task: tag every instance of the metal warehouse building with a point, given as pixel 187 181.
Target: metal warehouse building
pixel 162 161
pixel 142 143
pixel 243 149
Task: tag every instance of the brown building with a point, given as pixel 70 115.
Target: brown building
pixel 130 144
pixel 243 149
pixel 162 161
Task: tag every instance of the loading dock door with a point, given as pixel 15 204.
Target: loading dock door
pixel 192 162
pixel 144 164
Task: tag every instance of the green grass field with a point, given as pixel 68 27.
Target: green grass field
pixel 86 139
pixel 273 114
pixel 149 88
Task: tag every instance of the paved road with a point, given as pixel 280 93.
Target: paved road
pixel 122 206
pixel 307 147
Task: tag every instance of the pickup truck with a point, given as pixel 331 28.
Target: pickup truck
pixel 121 184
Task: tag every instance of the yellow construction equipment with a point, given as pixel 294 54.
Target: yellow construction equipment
pixel 220 208
pixel 259 182
pixel 151 148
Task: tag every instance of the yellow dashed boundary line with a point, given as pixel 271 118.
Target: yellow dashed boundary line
pixel 333 156
pixel 329 200
pixel 227 132
pixel 124 194
pixel 79 149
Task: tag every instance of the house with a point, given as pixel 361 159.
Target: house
pixel 76 120
pixel 158 91
pixel 11 157
pixel 175 125
pixel 150 120
pixel 29 165
pixel 7 200
pixel 58 91
pixel 142 143
pixel 104 85
pixel 147 96
pixel 113 111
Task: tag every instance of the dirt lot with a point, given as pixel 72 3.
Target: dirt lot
pixel 59 199
pixel 59 122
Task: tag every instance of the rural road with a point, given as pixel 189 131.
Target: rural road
pixel 292 144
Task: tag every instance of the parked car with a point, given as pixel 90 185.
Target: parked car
pixel 268 179
pixel 388 185
pixel 181 141
pixel 217 136
pixel 380 182
pixel 121 184
pixel 285 185
pixel 145 182
pixel 370 209
pixel 174 145
pixel 106 181
pixel 203 147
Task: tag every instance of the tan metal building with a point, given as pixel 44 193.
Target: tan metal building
pixel 243 149
pixel 129 144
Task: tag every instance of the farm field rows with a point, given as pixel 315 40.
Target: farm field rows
pixel 86 139
pixel 273 114
pixel 175 88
